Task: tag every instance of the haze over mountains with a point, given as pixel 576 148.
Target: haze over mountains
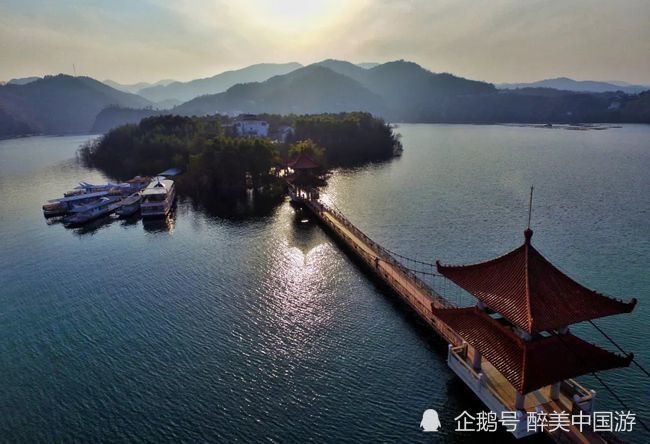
pixel 566 84
pixel 396 90
pixel 135 88
pixel 184 91
pixel 399 91
pixel 58 104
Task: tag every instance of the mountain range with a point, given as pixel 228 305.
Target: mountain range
pixel 184 91
pixel 566 84
pixel 398 91
pixel 59 104
pixel 134 88
pixel 23 80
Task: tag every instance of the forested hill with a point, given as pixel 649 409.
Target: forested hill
pixel 313 89
pixel 184 91
pixel 58 105
pixel 397 91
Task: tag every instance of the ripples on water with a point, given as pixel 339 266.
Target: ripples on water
pixel 224 328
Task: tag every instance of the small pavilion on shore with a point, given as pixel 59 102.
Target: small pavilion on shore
pixel 304 177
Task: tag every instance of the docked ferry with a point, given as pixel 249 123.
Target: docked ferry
pixel 158 198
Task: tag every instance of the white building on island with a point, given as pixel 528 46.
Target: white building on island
pixel 250 125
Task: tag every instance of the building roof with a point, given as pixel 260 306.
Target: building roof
pixel 158 186
pixel 528 365
pixel 303 161
pixel 531 292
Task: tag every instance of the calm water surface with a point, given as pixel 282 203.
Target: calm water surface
pixel 225 328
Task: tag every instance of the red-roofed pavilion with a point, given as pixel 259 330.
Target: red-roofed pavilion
pixel 303 161
pixel 528 365
pixel 304 180
pixel 520 328
pixel 531 292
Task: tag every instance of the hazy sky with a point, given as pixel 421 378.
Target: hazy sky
pixel 495 40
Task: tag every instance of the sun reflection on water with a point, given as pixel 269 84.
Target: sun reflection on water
pixel 297 288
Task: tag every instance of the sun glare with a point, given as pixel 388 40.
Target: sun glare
pixel 294 15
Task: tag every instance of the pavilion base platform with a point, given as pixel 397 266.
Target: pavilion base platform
pixel 492 388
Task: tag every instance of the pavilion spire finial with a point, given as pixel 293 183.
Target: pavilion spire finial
pixel 528 233
pixel 530 206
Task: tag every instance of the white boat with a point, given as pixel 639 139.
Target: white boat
pixel 63 205
pixel 129 205
pixel 158 197
pixel 92 210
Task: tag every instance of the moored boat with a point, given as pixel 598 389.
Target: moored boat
pixel 129 205
pixel 158 197
pixel 122 188
pixel 91 211
pixel 63 205
pixel 139 183
pixel 86 192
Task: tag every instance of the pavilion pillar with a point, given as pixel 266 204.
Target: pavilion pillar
pixel 520 400
pixel 476 360
pixel 555 391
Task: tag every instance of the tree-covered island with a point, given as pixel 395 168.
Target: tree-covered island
pixel 219 162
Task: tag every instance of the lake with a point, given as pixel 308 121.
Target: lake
pixel 245 325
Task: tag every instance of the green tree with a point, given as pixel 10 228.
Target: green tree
pixel 308 146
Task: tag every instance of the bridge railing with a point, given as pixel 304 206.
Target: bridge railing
pixel 382 253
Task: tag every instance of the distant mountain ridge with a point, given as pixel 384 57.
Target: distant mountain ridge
pixel 396 90
pixel 403 91
pixel 368 65
pixel 59 104
pixel 133 88
pixel 567 84
pixel 303 91
pixel 23 80
pixel 184 91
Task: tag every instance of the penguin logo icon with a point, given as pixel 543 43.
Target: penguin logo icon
pixel 430 421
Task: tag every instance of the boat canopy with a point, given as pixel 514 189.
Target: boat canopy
pixel 170 172
pixel 98 203
pixel 86 185
pixel 78 197
pixel 158 186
